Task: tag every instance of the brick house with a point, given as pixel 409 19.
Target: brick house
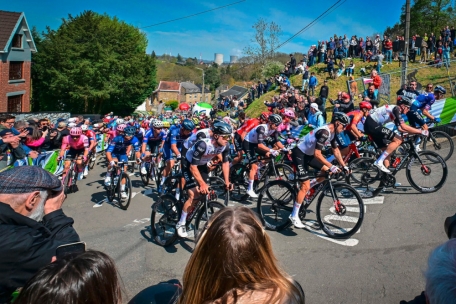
pixel 16 48
pixel 167 90
pixel 192 93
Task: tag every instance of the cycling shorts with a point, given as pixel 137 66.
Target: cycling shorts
pixel 153 147
pixel 168 154
pixel 237 140
pixel 74 153
pixel 190 182
pixel 120 157
pixel 302 162
pixel 344 139
pixel 415 119
pixel 251 149
pixel 380 135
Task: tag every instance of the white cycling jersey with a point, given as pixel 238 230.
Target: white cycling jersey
pixel 204 150
pixel 200 134
pixel 258 134
pixel 385 114
pixel 316 139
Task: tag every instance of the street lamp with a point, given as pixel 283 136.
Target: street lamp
pixel 204 96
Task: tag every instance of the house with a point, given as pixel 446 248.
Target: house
pixel 222 88
pixel 16 48
pixel 166 90
pixel 192 93
pixel 237 91
pixel 207 93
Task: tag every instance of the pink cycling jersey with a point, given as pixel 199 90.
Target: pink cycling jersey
pixel 283 127
pixel 112 134
pixel 81 143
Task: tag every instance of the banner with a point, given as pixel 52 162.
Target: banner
pixel 102 144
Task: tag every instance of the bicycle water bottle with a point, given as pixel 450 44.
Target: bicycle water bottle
pixel 396 162
pixel 116 180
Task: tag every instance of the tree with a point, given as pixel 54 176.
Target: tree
pixel 153 54
pixel 271 68
pixel 189 62
pixel 179 58
pixel 92 64
pixel 212 77
pixel 265 42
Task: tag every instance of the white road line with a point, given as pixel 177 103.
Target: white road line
pixel 137 222
pixel 349 242
pixel 133 194
pixel 131 174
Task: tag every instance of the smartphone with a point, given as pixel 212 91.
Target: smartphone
pixel 45 128
pixel 73 248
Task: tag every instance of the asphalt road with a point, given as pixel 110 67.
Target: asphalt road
pixel 383 263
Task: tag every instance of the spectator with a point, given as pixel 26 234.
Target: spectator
pixel 350 69
pixel 376 80
pixel 305 78
pixel 324 93
pixel 424 45
pixel 344 104
pixel 315 118
pixel 345 45
pixel 353 44
pixel 90 277
pixel 376 43
pixel 292 64
pixel 379 57
pixel 301 112
pixel 388 51
pixel 10 148
pixel 446 54
pixel 32 224
pixel 235 264
pixel 371 95
pixel 313 82
pixel 35 138
pixel 330 67
pixel 341 69
pixel 353 87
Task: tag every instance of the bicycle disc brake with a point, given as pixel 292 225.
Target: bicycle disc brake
pixel 340 208
pixel 425 170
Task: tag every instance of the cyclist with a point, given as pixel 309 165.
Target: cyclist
pixel 152 143
pixel 79 147
pixel 382 136
pixel 195 170
pixel 308 153
pixel 118 150
pixel 241 132
pixel 255 142
pixel 92 145
pixel 172 146
pixel 422 104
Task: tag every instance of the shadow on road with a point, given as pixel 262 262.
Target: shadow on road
pixel 146 233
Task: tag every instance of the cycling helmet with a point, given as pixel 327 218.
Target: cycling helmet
pixel 341 117
pixel 227 120
pixel 196 121
pixel 289 113
pixel 222 128
pixel 439 89
pixel 75 131
pixel 157 124
pixel 121 128
pixel 264 116
pixel 84 127
pixel 120 121
pixel 130 130
pixel 166 124
pixel 404 100
pixel 275 119
pixel 365 105
pixel 71 125
pixel 176 121
pixel 203 124
pixel 187 124
pixel 144 124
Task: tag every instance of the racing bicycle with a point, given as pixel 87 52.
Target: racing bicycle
pixel 114 190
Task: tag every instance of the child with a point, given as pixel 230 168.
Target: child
pixel 351 69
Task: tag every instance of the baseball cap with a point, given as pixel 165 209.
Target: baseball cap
pixel 71 125
pixel 345 95
pixel 5 131
pixel 314 105
pixel 73 119
pixel 26 179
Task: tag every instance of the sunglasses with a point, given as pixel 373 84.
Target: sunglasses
pixel 226 137
pixel 75 136
pixel 430 87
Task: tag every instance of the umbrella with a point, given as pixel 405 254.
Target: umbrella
pixel 184 107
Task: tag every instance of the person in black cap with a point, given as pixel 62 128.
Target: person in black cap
pixel 32 225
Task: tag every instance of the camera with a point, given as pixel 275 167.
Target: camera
pixel 450 226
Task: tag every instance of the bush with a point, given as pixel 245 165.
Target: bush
pixel 271 68
pixel 172 103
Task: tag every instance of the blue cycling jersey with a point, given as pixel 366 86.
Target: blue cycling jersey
pixel 174 136
pixel 423 101
pixel 150 136
pixel 119 145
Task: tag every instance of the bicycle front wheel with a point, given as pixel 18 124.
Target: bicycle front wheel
pixel 275 204
pixel 163 220
pixel 67 183
pixel 145 177
pixel 202 219
pixel 340 216
pixel 365 177
pixel 427 174
pixel 124 201
pixel 440 143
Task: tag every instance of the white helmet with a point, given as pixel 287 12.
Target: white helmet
pixel 71 125
pixel 120 121
pixel 152 122
pixel 157 124
pixel 84 127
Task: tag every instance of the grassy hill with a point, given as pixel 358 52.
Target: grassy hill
pixel 424 75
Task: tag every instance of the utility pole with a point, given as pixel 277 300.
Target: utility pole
pixel 202 90
pixel 407 38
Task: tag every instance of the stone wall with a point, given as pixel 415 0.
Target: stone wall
pixel 53 116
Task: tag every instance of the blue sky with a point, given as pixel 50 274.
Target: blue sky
pixel 225 31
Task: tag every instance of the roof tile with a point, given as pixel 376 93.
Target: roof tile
pixel 8 21
pixel 169 86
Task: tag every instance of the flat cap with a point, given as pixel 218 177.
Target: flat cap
pixel 27 179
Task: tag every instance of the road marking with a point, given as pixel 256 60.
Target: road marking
pixel 131 174
pixel 133 194
pixel 349 242
pixel 100 203
pixel 137 222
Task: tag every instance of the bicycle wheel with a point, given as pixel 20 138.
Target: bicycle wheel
pixel 365 177
pixel 427 175
pixel 239 177
pixel 440 143
pixel 92 161
pixel 67 183
pixel 163 220
pixel 202 219
pixel 340 216
pixel 285 172
pixel 111 191
pixel 218 185
pixel 145 177
pixel 124 202
pixel 275 203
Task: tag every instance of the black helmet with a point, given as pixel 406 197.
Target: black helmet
pixel 187 124
pixel 130 130
pixel 440 89
pixel 341 117
pixel 404 100
pixel 222 128
pixel 275 119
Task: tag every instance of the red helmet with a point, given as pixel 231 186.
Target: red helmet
pixel 264 115
pixel 203 124
pixel 75 131
pixel 365 105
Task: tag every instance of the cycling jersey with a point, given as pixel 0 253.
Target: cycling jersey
pixel 355 118
pixel 112 134
pixel 90 135
pixel 316 140
pixel 81 143
pixel 248 125
pixel 119 145
pixel 200 134
pixel 174 137
pixel 387 113
pixel 260 133
pixel 283 127
pixel 151 136
pixel 204 150
pixel 408 93
pixel 423 102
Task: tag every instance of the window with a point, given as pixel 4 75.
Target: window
pixel 15 103
pixel 17 41
pixel 15 70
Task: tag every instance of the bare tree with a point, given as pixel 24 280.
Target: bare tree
pixel 265 41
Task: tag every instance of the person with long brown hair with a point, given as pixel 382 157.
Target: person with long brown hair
pixel 233 262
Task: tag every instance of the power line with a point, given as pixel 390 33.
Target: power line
pixel 196 14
